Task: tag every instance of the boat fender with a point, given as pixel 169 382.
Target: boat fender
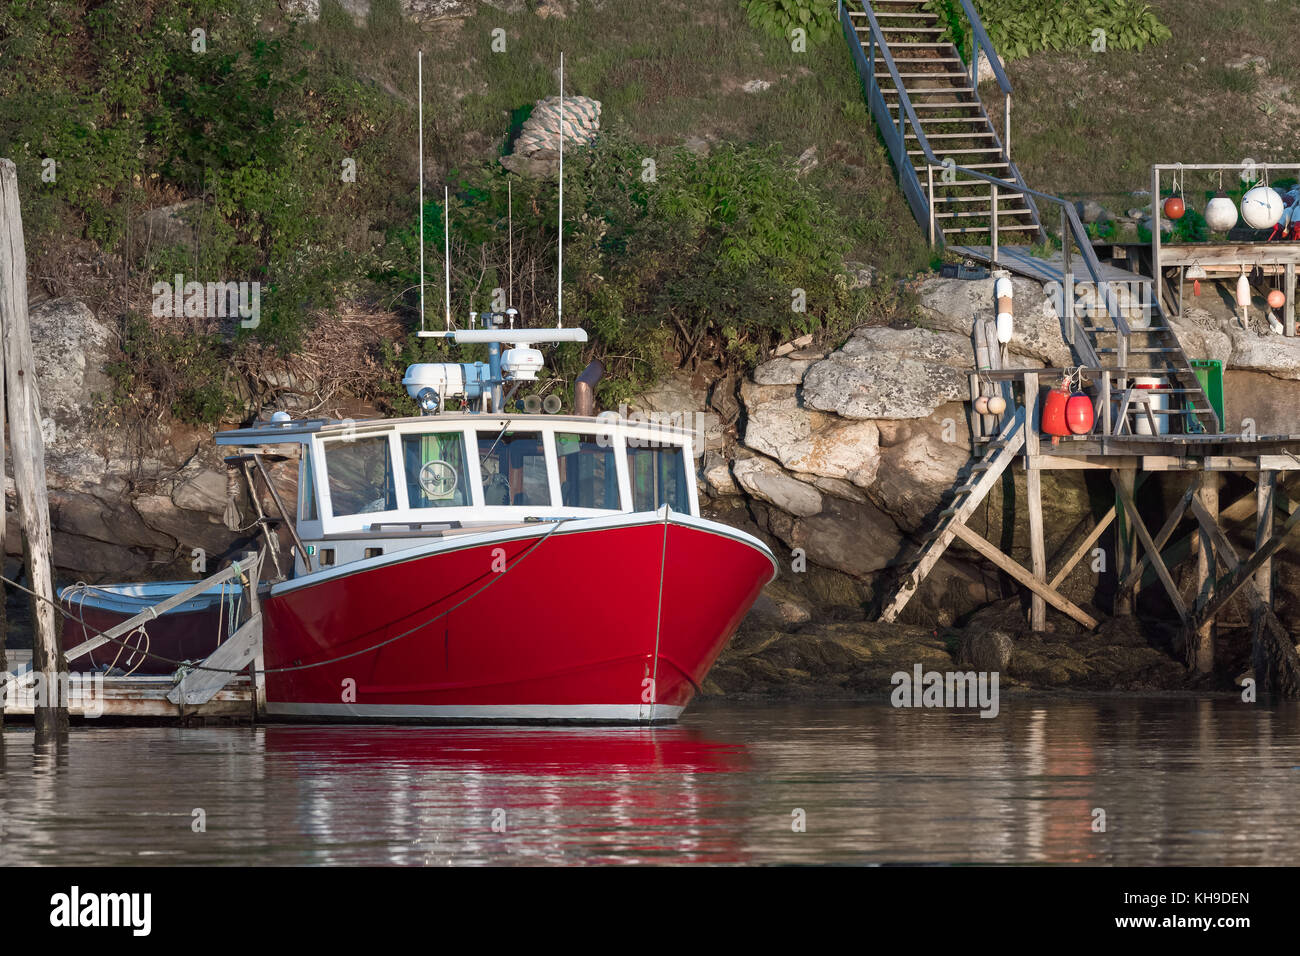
pixel 1004 292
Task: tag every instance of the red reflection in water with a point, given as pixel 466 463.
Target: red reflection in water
pixel 571 793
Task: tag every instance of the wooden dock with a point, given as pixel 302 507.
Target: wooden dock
pixel 1022 261
pixel 131 698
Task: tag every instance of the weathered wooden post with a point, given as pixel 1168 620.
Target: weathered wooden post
pixel 1200 643
pixel 27 448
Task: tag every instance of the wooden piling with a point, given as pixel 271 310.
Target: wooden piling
pixel 1125 542
pixel 1034 494
pixel 27 449
pixel 1200 643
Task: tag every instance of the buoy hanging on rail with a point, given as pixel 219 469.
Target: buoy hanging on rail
pixel 1079 415
pixel 997 405
pixel 1276 299
pixel 1002 289
pixel 1243 290
pixel 1221 212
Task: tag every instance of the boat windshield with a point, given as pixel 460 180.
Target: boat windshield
pixel 513 466
pixel 360 476
pixel 588 471
pixel 658 477
pixel 434 463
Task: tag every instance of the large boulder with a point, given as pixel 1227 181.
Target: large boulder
pixel 71 347
pixel 950 305
pixel 808 441
pixel 891 373
pixel 766 480
pixel 920 459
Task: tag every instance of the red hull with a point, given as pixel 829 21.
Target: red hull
pixel 578 628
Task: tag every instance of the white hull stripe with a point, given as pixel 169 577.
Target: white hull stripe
pixel 631 713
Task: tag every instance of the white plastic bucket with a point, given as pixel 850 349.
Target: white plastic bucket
pixel 1158 399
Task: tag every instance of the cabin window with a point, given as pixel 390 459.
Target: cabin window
pixel 307 494
pixel 435 470
pixel 588 472
pixel 513 467
pixel 360 476
pixel 658 477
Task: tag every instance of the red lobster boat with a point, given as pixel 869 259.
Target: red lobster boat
pixel 488 565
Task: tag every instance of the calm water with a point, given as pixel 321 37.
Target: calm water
pixel 1181 781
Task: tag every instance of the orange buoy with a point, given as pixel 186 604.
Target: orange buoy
pixel 1196 287
pixel 1276 299
pixel 1079 415
pixel 1053 419
pixel 1175 207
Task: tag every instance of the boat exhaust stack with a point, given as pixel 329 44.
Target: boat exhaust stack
pixel 584 390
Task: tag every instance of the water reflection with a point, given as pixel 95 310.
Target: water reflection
pixel 1179 781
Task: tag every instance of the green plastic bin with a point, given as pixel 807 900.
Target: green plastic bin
pixel 1210 373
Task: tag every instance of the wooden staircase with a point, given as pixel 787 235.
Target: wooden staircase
pixel 910 42
pixel 956 171
pixel 984 474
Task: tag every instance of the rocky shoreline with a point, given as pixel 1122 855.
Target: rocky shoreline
pixel 838 457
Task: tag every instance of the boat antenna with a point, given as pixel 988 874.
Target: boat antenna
pixel 419 82
pixel 446 249
pixel 510 243
pixel 559 278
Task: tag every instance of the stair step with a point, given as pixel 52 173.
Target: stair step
pixel 925 76
pixel 969 134
pixel 885 29
pixel 915 44
pixel 927 59
pixel 973 213
pixel 1003 196
pixel 925 120
pixel 1002 227
pixel 1137 351
pixel 961 149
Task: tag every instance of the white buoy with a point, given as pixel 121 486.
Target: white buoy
pixel 1243 290
pixel 1262 207
pixel 1004 292
pixel 1221 213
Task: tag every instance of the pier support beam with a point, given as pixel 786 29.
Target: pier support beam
pixel 1125 542
pixel 1034 494
pixel 1200 642
pixel 27 450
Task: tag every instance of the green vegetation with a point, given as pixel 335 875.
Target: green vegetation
pixel 1021 27
pixel 779 18
pixel 252 133
pixel 1091 124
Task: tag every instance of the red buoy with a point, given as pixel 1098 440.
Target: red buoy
pixel 1079 416
pixel 1175 207
pixel 1053 422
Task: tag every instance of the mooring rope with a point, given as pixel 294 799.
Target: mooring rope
pixel 304 667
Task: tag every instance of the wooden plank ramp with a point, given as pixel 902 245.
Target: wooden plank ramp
pixel 1021 260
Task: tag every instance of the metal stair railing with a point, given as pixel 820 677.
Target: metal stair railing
pixel 894 138
pixel 1072 228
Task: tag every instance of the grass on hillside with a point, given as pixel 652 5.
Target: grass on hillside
pixel 1092 124
pixel 671 73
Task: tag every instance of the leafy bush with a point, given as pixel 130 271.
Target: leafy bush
pixel 1021 27
pixel 779 17
pixel 702 265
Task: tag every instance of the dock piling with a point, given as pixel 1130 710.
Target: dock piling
pixel 27 449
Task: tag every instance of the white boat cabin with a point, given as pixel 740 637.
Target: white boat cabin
pixel 368 487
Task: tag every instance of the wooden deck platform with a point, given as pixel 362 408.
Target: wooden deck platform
pixel 1049 269
pixel 138 698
